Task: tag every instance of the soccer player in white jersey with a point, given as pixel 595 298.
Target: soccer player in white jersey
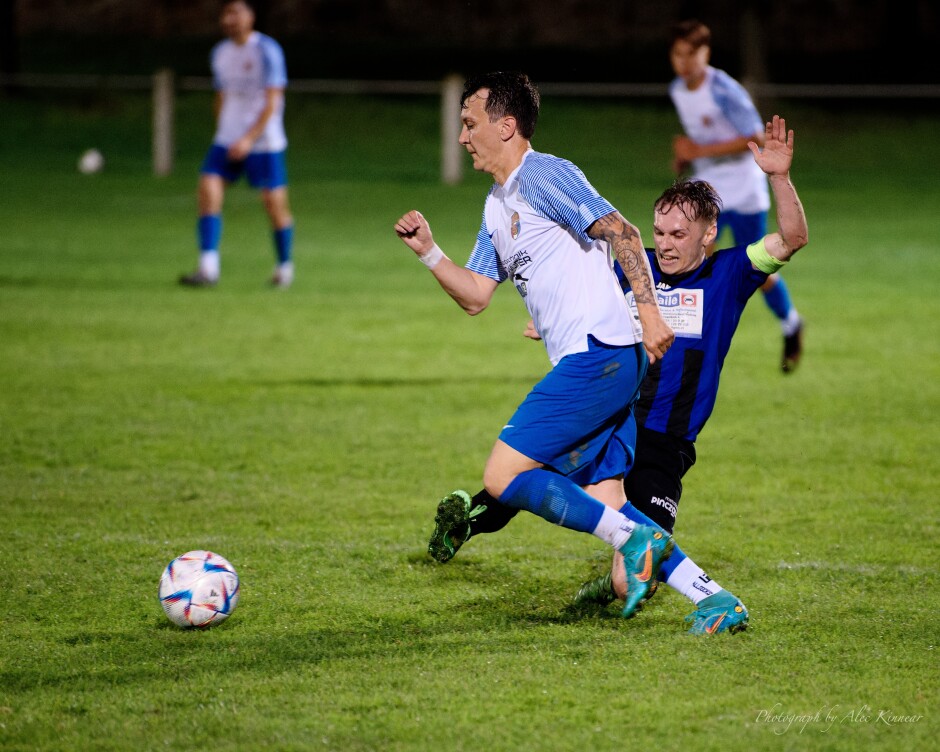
pixel 719 118
pixel 563 453
pixel 249 75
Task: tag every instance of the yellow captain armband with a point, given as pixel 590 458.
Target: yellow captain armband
pixel 757 253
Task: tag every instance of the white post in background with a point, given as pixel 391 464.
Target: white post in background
pixel 163 105
pixel 452 154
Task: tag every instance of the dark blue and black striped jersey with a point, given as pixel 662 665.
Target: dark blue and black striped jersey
pixel 703 307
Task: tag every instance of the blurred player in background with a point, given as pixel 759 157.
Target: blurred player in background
pixel 547 230
pixel 250 76
pixel 719 118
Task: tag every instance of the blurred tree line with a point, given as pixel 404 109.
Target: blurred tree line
pixel 801 41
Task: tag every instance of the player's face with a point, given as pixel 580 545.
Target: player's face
pixel 479 136
pixel 689 63
pixel 680 242
pixel 237 21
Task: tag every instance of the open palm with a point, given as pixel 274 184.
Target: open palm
pixel 777 154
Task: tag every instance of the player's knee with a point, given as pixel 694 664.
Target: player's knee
pixel 496 481
pixel 275 203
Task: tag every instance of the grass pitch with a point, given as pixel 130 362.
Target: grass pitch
pixel 307 434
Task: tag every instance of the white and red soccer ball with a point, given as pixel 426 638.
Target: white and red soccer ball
pixel 199 589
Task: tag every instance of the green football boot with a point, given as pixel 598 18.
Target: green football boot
pixel 451 525
pixel 721 612
pixel 600 591
pixel 643 553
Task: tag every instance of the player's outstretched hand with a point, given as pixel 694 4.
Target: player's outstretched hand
pixel 415 232
pixel 777 155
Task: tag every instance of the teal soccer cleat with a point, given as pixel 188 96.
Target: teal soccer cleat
pixel 451 526
pixel 600 591
pixel 721 612
pixel 643 553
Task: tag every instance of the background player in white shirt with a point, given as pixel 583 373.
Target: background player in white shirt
pixel 250 76
pixel 719 118
pixel 549 231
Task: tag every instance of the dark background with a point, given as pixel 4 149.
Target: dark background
pixel 804 41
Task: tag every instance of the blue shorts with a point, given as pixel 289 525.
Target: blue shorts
pixel 578 420
pixel 745 228
pixel 266 169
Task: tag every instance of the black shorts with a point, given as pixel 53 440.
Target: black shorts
pixel 654 483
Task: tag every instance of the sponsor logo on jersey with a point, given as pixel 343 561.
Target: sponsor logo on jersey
pixel 516 261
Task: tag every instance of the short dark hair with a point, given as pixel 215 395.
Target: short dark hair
pixel 510 94
pixel 695 198
pixel 692 31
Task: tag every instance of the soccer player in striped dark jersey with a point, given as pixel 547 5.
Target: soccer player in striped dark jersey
pixel 250 76
pixel 547 230
pixel 719 119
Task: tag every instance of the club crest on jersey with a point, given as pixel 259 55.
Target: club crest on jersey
pixel 515 225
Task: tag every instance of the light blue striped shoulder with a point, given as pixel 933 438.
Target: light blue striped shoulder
pixel 736 103
pixel 275 68
pixel 559 191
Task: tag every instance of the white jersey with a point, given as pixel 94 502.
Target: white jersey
pixel 533 232
pixel 720 109
pixel 243 73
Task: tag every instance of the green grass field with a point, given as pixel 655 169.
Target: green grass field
pixel 307 434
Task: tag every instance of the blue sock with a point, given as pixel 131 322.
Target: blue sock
pixel 778 299
pixel 554 498
pixel 209 232
pixel 283 243
pixel 675 558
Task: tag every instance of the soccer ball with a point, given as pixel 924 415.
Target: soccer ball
pixel 90 162
pixel 199 589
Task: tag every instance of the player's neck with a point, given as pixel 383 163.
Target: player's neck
pixel 242 38
pixel 695 80
pixel 514 156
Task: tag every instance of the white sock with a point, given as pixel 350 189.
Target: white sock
pixel 285 272
pixel 209 264
pixel 690 580
pixel 613 528
pixel 791 323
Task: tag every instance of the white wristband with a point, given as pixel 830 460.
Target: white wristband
pixel 433 257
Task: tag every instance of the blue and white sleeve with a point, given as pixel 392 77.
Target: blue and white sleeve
pixel 559 191
pixel 275 69
pixel 216 68
pixel 484 259
pixel 737 105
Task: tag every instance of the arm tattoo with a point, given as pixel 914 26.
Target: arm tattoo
pixel 627 246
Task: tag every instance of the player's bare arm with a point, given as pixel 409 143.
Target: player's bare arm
pixel 685 149
pixel 627 245
pixel 775 159
pixel 471 291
